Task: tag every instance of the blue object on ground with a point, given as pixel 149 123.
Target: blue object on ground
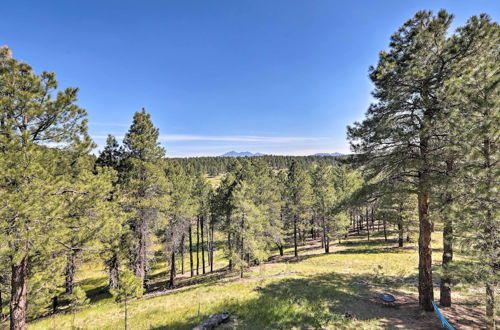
pixel 441 317
pixel 388 298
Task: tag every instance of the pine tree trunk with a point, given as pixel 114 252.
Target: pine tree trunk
pixel 126 313
pixel 425 285
pixel 140 253
pixel 400 227
pixel 229 247
pixel 280 247
pixel 1 305
pixel 18 298
pixel 55 303
pixel 490 238
pixel 172 269
pixel 326 245
pixel 445 289
pixel 69 272
pixel 182 254
pixel 385 229
pixel 296 251
pixel 445 284
pixel 367 224
pixel 113 268
pixel 202 225
pixel 490 307
pixel 242 228
pixel 197 245
pixel 212 248
pixel 191 250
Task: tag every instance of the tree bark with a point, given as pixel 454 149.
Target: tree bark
pixel 18 298
pixel 113 269
pixel 1 305
pixel 212 248
pixel 400 226
pixel 425 285
pixel 490 307
pixel 202 225
pixel 385 230
pixel 69 272
pixel 140 253
pixel 182 254
pixel 445 284
pixel 230 247
pixel 191 250
pixel 55 303
pixel 197 245
pixel 172 269
pixel 367 224
pixel 325 235
pixel 296 251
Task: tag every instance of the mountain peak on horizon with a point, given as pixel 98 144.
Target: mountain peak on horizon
pixel 233 153
pixel 328 154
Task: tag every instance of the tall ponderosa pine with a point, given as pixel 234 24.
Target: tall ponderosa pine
pixel 474 100
pixel 39 126
pixel 400 130
pixel 117 234
pixel 144 186
pixel 87 211
pixel 181 210
pixel 323 199
pixel 299 200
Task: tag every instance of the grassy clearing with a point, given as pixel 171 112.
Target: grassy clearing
pixel 315 291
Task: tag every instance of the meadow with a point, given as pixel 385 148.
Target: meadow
pixel 338 290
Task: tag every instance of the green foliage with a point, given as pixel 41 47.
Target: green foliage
pixel 78 299
pixel 129 286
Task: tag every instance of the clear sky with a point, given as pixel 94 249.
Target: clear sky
pixel 280 77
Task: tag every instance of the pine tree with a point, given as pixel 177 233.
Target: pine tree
pixel 400 130
pixel 39 125
pixel 144 186
pixel 298 200
pixel 116 235
pixel 181 210
pixel 323 199
pixel 473 97
pixel 129 286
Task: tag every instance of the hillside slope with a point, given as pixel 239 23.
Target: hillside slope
pixel 333 291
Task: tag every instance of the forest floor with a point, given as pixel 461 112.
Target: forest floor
pixel 338 290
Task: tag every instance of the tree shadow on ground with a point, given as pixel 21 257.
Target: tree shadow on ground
pixel 332 301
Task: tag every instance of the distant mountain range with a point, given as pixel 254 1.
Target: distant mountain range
pixel 329 154
pixel 241 154
pixel 249 154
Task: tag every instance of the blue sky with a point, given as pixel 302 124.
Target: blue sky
pixel 278 77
